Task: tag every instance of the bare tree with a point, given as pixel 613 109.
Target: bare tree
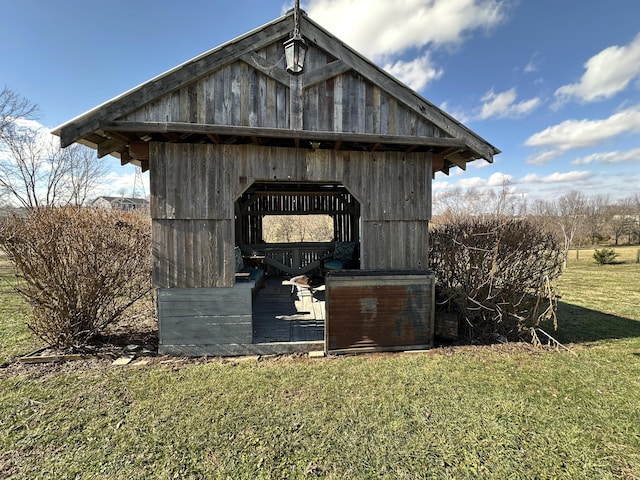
pixel 34 171
pixel 595 216
pixel 568 212
pixel 623 218
pixel 83 171
pixel 564 214
pixel 635 201
pixel 13 107
pixel 280 228
pixel 30 170
pixel 297 228
pixel 459 204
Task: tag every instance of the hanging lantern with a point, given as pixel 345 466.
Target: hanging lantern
pixel 295 49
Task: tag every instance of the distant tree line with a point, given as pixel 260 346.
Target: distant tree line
pixel 297 228
pixel 574 218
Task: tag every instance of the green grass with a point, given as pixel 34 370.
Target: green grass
pixel 15 337
pixel 505 411
pixel 600 302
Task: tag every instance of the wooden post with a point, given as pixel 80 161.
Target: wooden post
pixel 296 102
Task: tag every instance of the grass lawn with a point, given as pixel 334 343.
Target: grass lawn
pixel 505 411
pixel 15 337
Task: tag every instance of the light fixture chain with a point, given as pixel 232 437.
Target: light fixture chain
pixel 296 20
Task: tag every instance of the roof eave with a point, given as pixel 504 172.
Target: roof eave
pixel 73 130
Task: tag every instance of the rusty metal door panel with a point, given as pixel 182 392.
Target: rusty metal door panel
pixel 377 311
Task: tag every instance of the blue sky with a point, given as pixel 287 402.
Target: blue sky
pixel 554 84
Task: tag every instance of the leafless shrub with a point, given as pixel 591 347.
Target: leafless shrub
pixel 497 275
pixel 80 269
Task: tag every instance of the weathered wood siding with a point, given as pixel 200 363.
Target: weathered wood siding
pixel 234 95
pixel 192 253
pixel 333 99
pixel 351 103
pixel 391 244
pixel 194 187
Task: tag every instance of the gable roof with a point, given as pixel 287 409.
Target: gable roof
pixel 166 107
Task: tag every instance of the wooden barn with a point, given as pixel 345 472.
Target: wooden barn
pixel 285 120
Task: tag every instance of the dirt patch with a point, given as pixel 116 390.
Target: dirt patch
pixel 135 334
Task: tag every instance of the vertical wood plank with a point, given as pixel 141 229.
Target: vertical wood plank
pixel 370 112
pixel 393 116
pixel 311 114
pixel 271 114
pixel 330 104
pixel 282 106
pixel 337 104
pixel 235 104
pixel 255 98
pixel 227 99
pixel 157 180
pixel 384 113
pixel 323 124
pixel 210 99
pixel 245 100
pixel 296 102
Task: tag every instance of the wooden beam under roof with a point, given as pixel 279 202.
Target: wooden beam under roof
pixel 457 160
pixel 180 128
pixel 437 162
pixel 110 145
pixel 139 151
pixel 171 136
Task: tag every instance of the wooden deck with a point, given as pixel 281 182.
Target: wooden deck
pixel 280 315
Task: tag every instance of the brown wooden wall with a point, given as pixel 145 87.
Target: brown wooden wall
pixel 194 187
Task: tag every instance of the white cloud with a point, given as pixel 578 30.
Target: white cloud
pixel 416 73
pixel 572 134
pixel 473 182
pixel 606 158
pixel 573 176
pixel 480 164
pixel 532 66
pixel 499 179
pixel 504 105
pixel 381 28
pixel 606 74
pixel 541 158
pixel 456 113
pixel 535 186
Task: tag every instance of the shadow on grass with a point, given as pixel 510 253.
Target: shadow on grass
pixel 580 325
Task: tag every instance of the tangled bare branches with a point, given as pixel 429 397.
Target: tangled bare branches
pixel 80 269
pixel 497 275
